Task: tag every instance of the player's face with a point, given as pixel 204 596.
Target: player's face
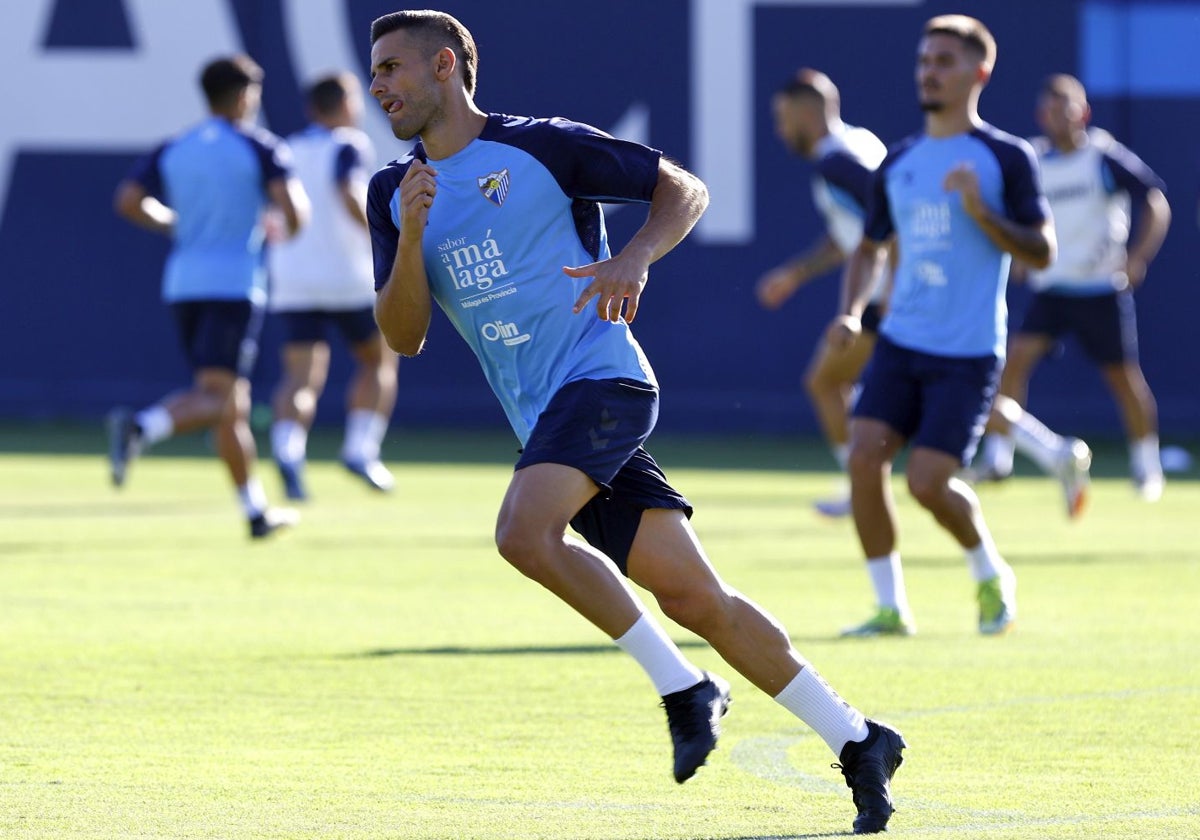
pixel 1059 116
pixel 946 73
pixel 403 83
pixel 793 123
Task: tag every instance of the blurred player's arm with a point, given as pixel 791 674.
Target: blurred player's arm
pixel 353 195
pixel 1153 221
pixel 1033 244
pixel 288 196
pixel 779 284
pixel 858 282
pixel 135 205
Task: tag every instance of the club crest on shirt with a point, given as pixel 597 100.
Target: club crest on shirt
pixel 494 186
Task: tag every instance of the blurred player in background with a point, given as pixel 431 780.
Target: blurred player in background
pixel 497 218
pixel 321 281
pixel 808 120
pixel 207 189
pixel 959 198
pixel 1093 184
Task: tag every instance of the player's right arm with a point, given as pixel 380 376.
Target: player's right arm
pixel 403 306
pixel 864 264
pixel 134 204
pixel 779 284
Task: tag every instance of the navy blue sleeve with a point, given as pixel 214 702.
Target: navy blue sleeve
pixel 848 174
pixel 274 155
pixel 384 233
pixel 878 225
pixel 587 163
pixel 145 171
pixel 1024 201
pixel 1126 171
pixel 348 160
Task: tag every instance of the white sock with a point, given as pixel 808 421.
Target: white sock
pixel 887 576
pixel 647 643
pixel 253 498
pixel 1039 443
pixel 998 452
pixel 841 451
pixel 289 441
pixel 1144 459
pixel 985 561
pixel 365 431
pixel 812 700
pixel 156 424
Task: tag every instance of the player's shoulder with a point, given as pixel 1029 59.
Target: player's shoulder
pixel 512 128
pixel 1008 149
pixel 898 149
pixel 392 172
pixel 258 135
pixel 348 135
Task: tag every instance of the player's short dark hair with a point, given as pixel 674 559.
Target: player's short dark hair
pixel 434 30
pixel 973 34
pixel 223 79
pixel 1065 85
pixel 328 93
pixel 813 84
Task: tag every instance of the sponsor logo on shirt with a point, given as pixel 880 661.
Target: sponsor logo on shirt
pixel 472 267
pixel 506 332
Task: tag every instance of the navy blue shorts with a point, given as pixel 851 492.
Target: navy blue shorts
pixel 598 427
pixel 219 333
pixel 871 316
pixel 310 326
pixel 1105 325
pixel 939 402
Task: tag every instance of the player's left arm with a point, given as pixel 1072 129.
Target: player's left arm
pixel 288 195
pixel 678 200
pixel 1124 170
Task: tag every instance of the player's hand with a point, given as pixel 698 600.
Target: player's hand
pixel 843 331
pixel 963 180
pixel 776 286
pixel 1135 271
pixel 615 281
pixel 418 188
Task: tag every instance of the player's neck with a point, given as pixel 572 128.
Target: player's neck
pixel 1071 142
pixel 454 132
pixel 951 123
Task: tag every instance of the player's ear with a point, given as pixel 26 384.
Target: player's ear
pixel 983 73
pixel 444 63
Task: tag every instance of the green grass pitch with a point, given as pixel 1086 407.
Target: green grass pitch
pixel 382 673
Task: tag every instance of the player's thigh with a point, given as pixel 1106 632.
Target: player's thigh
pixel 540 501
pixel 1025 350
pixel 306 364
pixel 836 366
pixel 667 558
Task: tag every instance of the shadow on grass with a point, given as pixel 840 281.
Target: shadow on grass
pixel 516 650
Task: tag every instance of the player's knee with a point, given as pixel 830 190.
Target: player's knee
pixel 863 463
pixel 927 489
pixel 522 546
pixel 699 608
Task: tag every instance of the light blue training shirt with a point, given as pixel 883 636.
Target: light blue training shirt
pixel 948 297
pixel 512 208
pixel 214 176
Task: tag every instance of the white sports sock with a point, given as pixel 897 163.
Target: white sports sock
pixel 289 441
pixel 998 452
pixel 662 661
pixel 812 700
pixel 253 498
pixel 1037 442
pixel 156 424
pixel 1144 458
pixel 887 576
pixel 985 561
pixel 365 431
pixel 841 451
